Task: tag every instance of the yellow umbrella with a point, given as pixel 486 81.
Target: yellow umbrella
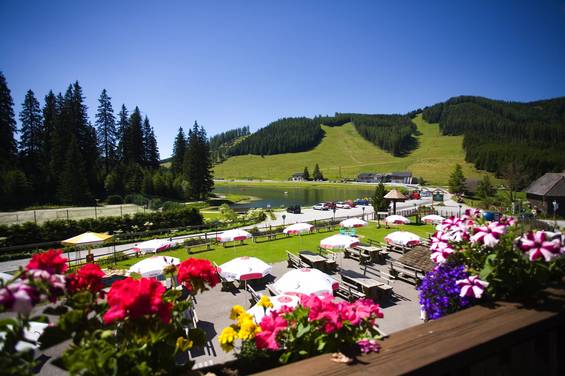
pixel 88 239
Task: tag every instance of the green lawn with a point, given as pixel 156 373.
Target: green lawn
pixel 275 251
pixel 344 153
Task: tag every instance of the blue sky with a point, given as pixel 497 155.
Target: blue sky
pixel 233 63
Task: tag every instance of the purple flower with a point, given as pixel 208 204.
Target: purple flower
pixel 540 245
pixel 19 297
pixel 368 345
pixel 488 235
pixel 472 287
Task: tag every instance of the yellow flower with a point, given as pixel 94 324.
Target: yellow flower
pixel 265 302
pixel 184 344
pixel 248 329
pixel 227 337
pixel 243 318
pixel 236 311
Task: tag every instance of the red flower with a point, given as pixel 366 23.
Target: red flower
pixel 134 298
pixel 50 261
pixel 89 277
pixel 195 273
pixel 271 325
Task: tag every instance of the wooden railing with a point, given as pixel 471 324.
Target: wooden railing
pixel 505 339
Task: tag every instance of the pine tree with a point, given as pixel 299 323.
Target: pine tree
pixel 150 145
pixel 457 180
pixel 179 149
pixel 73 187
pixel 31 137
pixel 306 173
pixel 50 118
pixel 8 149
pixel 106 131
pixel 133 139
pixel 378 200
pixel 58 142
pixel 485 189
pixel 197 164
pixel 121 129
pixel 317 174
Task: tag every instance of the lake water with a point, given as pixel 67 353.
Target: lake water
pixel 285 196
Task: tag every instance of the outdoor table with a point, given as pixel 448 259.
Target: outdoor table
pixel 370 286
pixel 373 252
pixel 313 259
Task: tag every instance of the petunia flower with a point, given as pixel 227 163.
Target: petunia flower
pixel 472 287
pixel 540 245
pixel 488 235
pixel 441 253
pixel 367 345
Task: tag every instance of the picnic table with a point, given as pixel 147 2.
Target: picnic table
pixel 376 254
pixel 313 259
pixel 372 288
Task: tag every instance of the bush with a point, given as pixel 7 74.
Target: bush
pixel 155 204
pixel 135 198
pixel 172 205
pixel 114 200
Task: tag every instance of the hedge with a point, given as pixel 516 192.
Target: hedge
pixel 56 230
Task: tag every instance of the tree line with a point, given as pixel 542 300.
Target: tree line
pixel 222 142
pixel 499 134
pixel 62 158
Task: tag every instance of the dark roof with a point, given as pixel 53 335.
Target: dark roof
pixel 301 174
pixel 366 175
pixel 418 257
pixel 550 184
pixel 403 174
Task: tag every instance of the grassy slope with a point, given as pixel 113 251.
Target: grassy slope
pixel 344 153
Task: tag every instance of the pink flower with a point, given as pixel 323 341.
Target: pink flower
pixel 438 239
pixel 324 309
pixel 449 224
pixel 19 297
pixel 471 213
pixel 488 235
pixel 367 345
pixel 507 220
pixel 441 253
pixel 56 283
pixel 271 325
pixel 472 287
pixel 540 245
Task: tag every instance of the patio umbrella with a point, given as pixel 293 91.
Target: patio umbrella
pixel 339 241
pixel 403 238
pixel 353 222
pixel 298 228
pixel 153 266
pixel 278 301
pixel 305 281
pixel 88 238
pixel 244 268
pixel 233 235
pixel 153 246
pixel 433 218
pixel 397 219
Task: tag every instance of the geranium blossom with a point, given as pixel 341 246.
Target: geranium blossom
pixel 196 273
pixel 51 261
pixel 131 298
pixel 271 325
pixel 540 245
pixel 488 235
pixel 324 309
pixel 472 287
pixel 89 277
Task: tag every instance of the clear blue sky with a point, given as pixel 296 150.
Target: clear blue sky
pixel 233 63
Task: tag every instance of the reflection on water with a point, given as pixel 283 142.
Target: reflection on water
pixel 303 196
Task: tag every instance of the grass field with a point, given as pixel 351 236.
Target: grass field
pixel 275 251
pixel 344 153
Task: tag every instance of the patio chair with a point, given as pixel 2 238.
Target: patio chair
pixel 253 296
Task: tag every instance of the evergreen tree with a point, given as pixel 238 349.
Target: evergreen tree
pixel 121 129
pixel 378 200
pixel 106 131
pixel 457 180
pixel 31 137
pixel 317 174
pixel 73 188
pixel 485 189
pixel 8 147
pixel 179 149
pixel 58 142
pixel 306 173
pixel 152 159
pixel 197 164
pixel 133 139
pixel 14 189
pixel 50 121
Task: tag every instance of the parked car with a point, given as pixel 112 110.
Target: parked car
pixel 294 209
pixel 321 206
pixel 342 205
pixel 360 201
pixel 414 195
pixel 351 203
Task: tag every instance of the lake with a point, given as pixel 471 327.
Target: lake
pixel 289 195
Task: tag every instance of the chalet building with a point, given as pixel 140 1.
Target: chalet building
pixel 547 190
pixel 299 176
pixel 370 177
pixel 402 177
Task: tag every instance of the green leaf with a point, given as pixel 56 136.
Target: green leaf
pixel 488 267
pixel 284 357
pixel 302 330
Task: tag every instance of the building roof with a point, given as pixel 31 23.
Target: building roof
pixel 366 175
pixel 418 257
pixel 550 184
pixel 298 174
pixel 402 174
pixel 395 195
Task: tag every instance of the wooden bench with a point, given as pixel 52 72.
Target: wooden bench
pixel 189 248
pixel 405 272
pixel 294 261
pixel 356 255
pixel 396 248
pixel 349 292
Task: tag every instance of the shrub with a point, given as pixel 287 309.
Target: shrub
pixel 114 200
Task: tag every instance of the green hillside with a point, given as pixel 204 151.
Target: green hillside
pixel 343 153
